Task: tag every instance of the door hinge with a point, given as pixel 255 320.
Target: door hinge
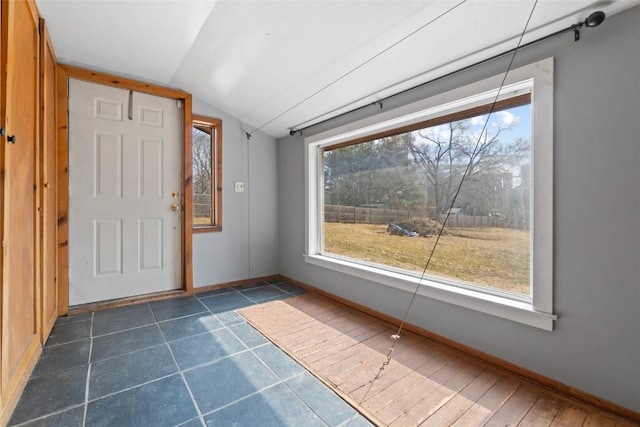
pixel 180 103
pixel 130 113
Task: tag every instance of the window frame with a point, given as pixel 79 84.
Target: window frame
pixel 216 175
pixel 536 79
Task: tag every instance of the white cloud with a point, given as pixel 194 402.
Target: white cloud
pixel 507 118
pixel 478 120
pixel 437 131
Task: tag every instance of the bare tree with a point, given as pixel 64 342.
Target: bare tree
pixel 201 162
pixel 443 153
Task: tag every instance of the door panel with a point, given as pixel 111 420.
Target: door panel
pixel 124 165
pixel 108 247
pixel 107 163
pixel 150 182
pixel 150 255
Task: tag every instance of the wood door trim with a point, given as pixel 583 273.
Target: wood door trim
pixel 62 184
pixel 216 179
pixel 64 73
pixel 47 182
pixel 122 82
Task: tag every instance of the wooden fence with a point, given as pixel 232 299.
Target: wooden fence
pixel 202 205
pixel 359 215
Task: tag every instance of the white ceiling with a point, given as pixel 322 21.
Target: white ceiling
pixel 277 65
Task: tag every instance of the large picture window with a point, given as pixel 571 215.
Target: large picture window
pixel 464 167
pixel 386 199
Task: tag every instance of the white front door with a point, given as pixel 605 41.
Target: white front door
pixel 125 156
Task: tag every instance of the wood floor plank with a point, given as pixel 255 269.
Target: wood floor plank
pixel 424 383
pixel 456 407
pixel 543 411
pixel 570 416
pixel 392 373
pixel 389 393
pixel 406 401
pixel 598 420
pixel 440 397
pixel 488 404
pixel 350 357
pixel 402 363
pixel 336 345
pixel 309 334
pixel 433 360
pixel 516 407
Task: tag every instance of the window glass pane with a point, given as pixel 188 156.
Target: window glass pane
pixel 385 200
pixel 202 168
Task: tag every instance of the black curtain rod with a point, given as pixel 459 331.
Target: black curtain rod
pixel 594 19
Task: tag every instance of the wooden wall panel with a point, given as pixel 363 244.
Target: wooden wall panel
pixel 3 111
pixel 20 117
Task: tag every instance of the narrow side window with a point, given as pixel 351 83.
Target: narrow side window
pixel 207 174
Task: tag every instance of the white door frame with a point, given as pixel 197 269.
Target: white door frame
pixel 64 72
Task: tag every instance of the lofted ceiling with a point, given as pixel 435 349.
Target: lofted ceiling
pixel 278 65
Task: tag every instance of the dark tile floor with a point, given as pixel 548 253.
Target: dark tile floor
pixel 188 361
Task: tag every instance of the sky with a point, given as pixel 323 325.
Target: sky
pixel 519 116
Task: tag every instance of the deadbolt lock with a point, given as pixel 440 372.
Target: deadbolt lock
pixel 175 194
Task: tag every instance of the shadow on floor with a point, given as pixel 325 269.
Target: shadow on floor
pixel 187 361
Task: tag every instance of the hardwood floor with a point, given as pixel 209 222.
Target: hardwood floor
pixel 425 383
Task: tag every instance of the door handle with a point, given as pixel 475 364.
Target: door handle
pixel 175 207
pixel 11 139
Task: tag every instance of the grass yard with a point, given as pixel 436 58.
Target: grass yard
pixel 201 220
pixel 492 257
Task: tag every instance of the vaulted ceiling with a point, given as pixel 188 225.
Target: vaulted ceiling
pixel 278 65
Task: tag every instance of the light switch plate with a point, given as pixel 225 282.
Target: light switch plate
pixel 239 186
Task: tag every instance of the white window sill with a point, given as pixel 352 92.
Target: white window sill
pixel 506 308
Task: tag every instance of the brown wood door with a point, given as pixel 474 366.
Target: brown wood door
pixel 48 200
pixel 20 293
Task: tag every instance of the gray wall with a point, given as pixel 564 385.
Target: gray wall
pixel 596 344
pixel 247 246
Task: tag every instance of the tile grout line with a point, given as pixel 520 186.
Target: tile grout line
pixel 124 330
pixel 248 349
pixel 282 381
pixel 226 405
pixel 184 380
pixel 132 387
pixel 302 400
pixel 86 391
pixel 45 416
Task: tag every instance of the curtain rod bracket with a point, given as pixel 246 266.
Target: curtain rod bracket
pixel 576 32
